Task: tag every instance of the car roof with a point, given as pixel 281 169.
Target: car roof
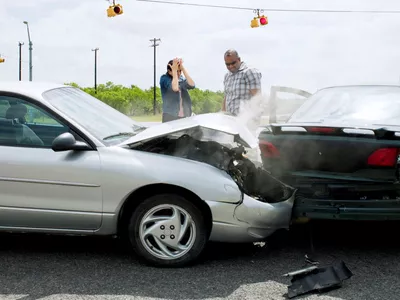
pixel 360 86
pixel 31 89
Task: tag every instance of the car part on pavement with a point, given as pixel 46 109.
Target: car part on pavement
pixel 318 279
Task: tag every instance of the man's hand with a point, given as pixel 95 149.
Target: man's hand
pixel 255 92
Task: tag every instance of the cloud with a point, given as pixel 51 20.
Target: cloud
pixel 304 50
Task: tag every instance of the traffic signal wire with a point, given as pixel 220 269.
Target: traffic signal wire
pixel 278 9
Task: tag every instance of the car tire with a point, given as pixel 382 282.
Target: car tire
pixel 157 231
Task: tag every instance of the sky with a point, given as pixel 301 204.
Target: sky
pixel 303 50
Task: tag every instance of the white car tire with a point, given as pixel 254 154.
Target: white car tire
pixel 168 231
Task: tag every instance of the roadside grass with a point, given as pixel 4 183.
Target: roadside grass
pixel 148 118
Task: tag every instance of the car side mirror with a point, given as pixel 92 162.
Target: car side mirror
pixel 66 141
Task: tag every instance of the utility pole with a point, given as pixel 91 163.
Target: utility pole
pixel 30 51
pixel 95 69
pixel 20 60
pixel 154 45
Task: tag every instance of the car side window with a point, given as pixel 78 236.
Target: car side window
pixel 23 124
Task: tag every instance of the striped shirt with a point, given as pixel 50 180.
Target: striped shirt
pixel 237 87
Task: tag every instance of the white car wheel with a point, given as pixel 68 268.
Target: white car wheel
pixel 168 230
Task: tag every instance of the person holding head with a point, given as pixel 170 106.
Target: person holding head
pixel 174 91
pixel 241 83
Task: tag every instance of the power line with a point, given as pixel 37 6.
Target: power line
pixel 194 4
pixel 278 9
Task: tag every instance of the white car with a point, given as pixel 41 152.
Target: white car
pixel 70 164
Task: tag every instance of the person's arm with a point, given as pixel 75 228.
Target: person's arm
pixel 175 78
pixel 175 81
pixel 166 83
pixel 254 80
pixel 224 100
pixel 189 81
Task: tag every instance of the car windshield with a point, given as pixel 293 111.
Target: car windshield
pixel 376 105
pixel 101 120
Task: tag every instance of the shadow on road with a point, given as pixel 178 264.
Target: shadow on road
pixel 39 266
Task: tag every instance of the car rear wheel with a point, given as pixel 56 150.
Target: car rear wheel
pixel 168 231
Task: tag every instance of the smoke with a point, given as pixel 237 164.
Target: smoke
pixel 255 114
pixel 252 111
pixel 250 115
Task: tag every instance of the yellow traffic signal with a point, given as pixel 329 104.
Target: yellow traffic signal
pixel 2 60
pixel 254 23
pixel 115 10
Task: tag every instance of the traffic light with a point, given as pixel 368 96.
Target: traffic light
pixel 263 20
pixel 254 23
pixel 2 60
pixel 258 19
pixel 115 10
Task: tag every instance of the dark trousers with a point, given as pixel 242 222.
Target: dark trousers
pixel 168 117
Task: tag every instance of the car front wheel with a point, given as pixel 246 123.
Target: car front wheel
pixel 168 231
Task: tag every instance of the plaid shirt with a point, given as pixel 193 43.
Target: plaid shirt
pixel 237 87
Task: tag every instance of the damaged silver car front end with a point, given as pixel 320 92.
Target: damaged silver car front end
pixel 219 140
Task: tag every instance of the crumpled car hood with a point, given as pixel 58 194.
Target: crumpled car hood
pixel 204 126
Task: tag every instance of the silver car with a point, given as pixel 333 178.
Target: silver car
pixel 70 164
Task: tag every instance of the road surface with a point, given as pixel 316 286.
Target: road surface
pixel 41 267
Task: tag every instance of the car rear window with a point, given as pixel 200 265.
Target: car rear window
pixel 355 104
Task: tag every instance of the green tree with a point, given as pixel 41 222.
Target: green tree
pixel 134 101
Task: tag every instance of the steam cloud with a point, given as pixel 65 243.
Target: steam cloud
pixel 254 114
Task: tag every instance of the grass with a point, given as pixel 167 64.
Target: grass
pixel 148 118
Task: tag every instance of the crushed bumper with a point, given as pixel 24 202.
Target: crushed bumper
pixel 249 221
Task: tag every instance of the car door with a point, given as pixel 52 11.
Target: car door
pixel 41 189
pixel 278 110
pixel 281 108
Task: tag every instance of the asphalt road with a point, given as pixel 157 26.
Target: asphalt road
pixel 41 267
